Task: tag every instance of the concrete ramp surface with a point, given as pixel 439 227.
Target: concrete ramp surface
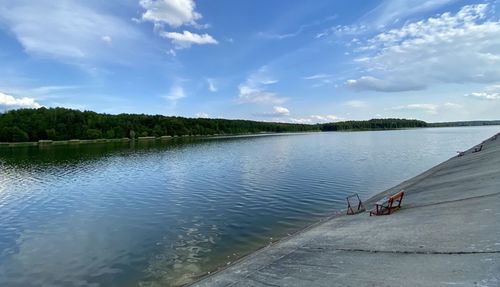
pixel 447 233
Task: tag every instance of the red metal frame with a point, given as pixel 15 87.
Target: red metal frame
pixel 388 204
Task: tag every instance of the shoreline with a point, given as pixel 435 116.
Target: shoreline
pixel 239 271
pixel 48 143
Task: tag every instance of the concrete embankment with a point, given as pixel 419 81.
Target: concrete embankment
pixel 446 234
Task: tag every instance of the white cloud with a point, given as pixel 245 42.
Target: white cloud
pixel 175 13
pixel 316 119
pixel 38 93
pixel 257 96
pixel 451 48
pixel 281 111
pixel 176 93
pixel 67 30
pixel 490 93
pixel 301 120
pixel 254 89
pixel 212 87
pixel 186 39
pixel 278 111
pixel 327 118
pixel 423 110
pixel 10 102
pixel 387 85
pixel 172 52
pixel 268 82
pixel 341 30
pixel 202 115
pixel 484 96
pixel 356 104
pixel 279 36
pixel 107 39
pixel 452 105
pixel 429 108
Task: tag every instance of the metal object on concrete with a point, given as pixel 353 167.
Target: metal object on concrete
pixel 388 204
pixel 354 208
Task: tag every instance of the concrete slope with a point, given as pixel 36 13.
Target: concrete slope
pixel 446 234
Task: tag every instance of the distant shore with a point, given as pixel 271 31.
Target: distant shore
pixel 45 143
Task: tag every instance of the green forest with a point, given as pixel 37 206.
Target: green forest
pixel 374 124
pixel 464 124
pixel 25 125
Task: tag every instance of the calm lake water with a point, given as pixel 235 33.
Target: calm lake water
pixel 163 214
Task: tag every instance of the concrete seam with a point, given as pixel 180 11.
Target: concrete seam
pixel 419 252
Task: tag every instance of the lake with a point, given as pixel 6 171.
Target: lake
pixel 162 214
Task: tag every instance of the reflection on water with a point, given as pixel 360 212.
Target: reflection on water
pixel 161 214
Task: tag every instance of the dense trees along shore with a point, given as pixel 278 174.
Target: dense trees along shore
pixel 375 124
pixel 63 124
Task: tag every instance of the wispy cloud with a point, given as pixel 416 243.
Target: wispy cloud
pixel 387 14
pixel 429 108
pixel 268 81
pixel 411 110
pixel 257 96
pixel 212 86
pixel 319 79
pixel 450 105
pixel 485 96
pixel 317 76
pixel 301 29
pixel 396 11
pixel 68 31
pixel 176 93
pixel 254 89
pixel 316 119
pixel 356 104
pixel 385 85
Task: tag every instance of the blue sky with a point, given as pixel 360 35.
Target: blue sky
pixel 290 61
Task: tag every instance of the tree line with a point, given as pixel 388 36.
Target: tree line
pixel 465 124
pixel 374 124
pixel 63 124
